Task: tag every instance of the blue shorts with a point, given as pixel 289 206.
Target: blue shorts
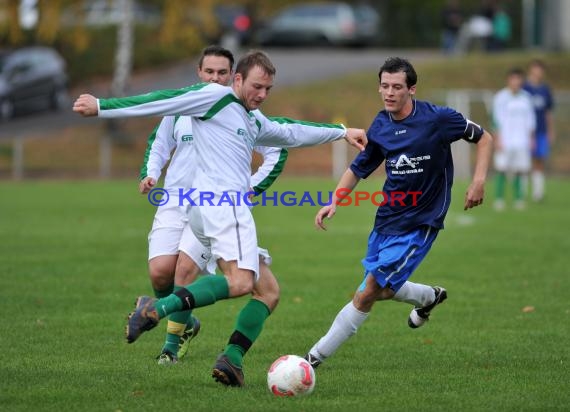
pixel 392 259
pixel 542 146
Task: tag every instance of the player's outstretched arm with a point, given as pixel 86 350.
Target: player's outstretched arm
pixel 86 105
pixel 356 138
pixel 346 184
pixel 476 190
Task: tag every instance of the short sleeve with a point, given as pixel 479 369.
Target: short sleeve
pixel 455 126
pixel 368 160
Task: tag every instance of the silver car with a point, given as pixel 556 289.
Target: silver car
pixel 334 23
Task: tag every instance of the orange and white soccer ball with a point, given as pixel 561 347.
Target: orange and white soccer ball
pixel 291 375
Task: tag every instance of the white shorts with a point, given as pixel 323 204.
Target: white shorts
pixel 200 254
pixel 512 160
pixel 167 228
pixel 229 231
pixel 264 256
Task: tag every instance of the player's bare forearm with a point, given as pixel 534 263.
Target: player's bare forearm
pixel 346 184
pixel 476 191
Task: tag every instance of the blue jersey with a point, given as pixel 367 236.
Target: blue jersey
pixel 419 166
pixel 543 103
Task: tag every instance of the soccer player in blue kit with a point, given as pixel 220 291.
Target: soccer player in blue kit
pixel 413 138
pixel 545 135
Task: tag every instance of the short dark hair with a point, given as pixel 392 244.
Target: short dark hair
pixel 516 71
pixel 538 63
pixel 216 51
pixel 398 64
pixel 255 58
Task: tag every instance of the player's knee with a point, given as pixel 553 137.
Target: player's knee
pixel 240 282
pixel 266 289
pixel 363 302
pixel 161 273
pixel 186 272
pixel 268 295
pixel 242 287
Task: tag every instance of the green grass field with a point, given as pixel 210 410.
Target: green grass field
pixel 73 259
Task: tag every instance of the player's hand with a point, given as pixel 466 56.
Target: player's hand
pixel 146 184
pixel 474 195
pixel 325 212
pixel 356 138
pixel 86 105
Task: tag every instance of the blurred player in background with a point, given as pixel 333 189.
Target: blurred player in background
pixel 545 134
pixel 413 139
pixel 514 120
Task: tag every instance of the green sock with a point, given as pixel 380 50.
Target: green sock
pixel 163 293
pixel 248 327
pixel 203 292
pixel 518 188
pixel 183 317
pixel 500 185
pixel 208 290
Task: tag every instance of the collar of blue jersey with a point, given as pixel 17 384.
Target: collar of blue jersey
pixel 411 114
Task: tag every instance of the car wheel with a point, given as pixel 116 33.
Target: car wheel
pixel 322 40
pixel 59 99
pixel 6 109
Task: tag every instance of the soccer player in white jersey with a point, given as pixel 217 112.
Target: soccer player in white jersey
pixel 413 139
pixel 176 257
pixel 226 126
pixel 515 123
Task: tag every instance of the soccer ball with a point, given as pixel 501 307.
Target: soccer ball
pixel 291 375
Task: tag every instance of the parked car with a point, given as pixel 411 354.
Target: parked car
pixel 31 79
pixel 336 23
pixel 234 24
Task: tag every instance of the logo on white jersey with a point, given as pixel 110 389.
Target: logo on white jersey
pixel 249 139
pixel 187 138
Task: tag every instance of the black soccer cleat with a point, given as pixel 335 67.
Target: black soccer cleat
pixel 144 318
pixel 313 360
pixel 227 373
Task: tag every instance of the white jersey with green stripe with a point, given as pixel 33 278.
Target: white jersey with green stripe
pixel 224 131
pixel 175 133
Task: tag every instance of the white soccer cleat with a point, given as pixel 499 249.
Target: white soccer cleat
pixel 419 316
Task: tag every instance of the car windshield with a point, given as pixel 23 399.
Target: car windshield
pixel 312 11
pixel 363 12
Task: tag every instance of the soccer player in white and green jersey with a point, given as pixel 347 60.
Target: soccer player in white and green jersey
pixel 226 126
pixel 176 257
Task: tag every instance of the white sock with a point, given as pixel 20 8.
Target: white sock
pixel 343 327
pixel 537 184
pixel 415 293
